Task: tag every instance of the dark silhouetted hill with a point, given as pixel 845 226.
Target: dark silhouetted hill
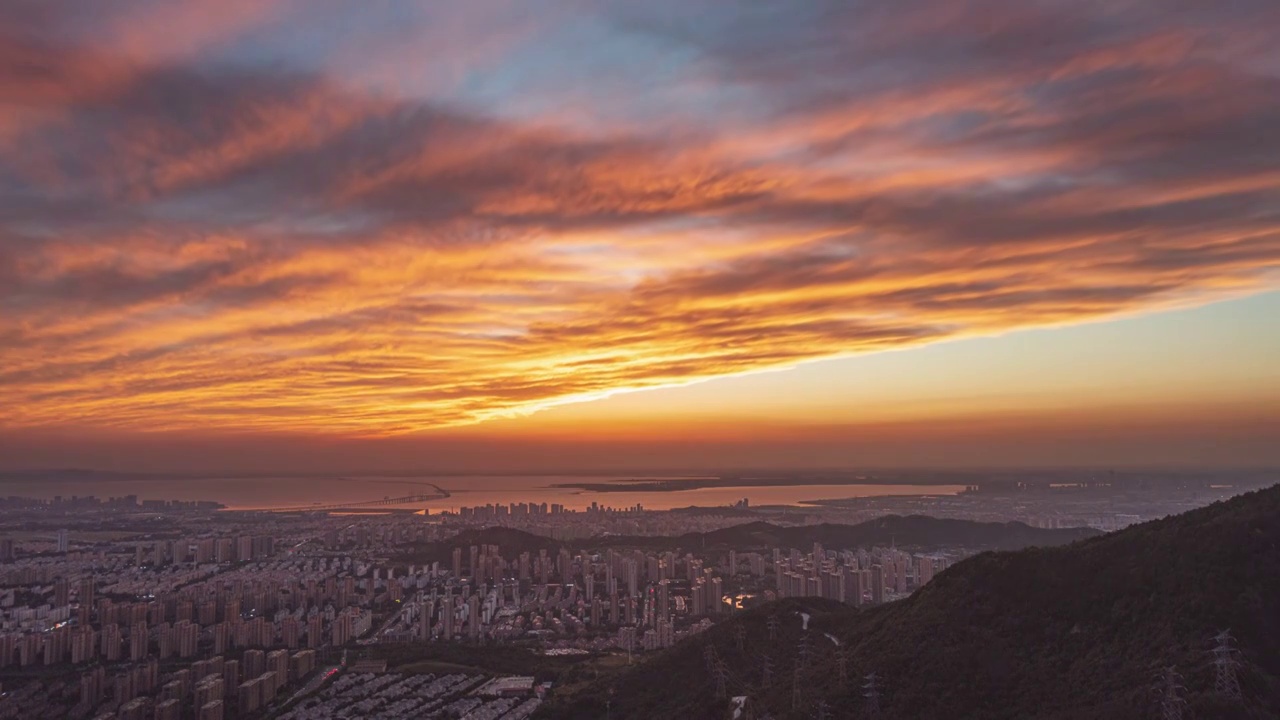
pixel 1079 631
pixel 914 531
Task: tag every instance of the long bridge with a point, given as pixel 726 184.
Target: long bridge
pixel 439 494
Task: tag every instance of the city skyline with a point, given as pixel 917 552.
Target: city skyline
pixel 268 236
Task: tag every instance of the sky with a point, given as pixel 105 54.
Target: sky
pixel 294 235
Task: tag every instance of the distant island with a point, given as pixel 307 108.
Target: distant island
pixel 993 481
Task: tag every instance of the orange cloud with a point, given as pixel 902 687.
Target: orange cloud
pixel 207 246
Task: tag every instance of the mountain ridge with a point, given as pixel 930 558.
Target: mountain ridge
pixel 910 531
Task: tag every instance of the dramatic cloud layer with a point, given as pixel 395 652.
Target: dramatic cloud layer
pixel 323 217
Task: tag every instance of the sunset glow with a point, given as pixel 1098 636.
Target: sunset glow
pixel 497 219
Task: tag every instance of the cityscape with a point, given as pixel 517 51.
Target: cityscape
pixel 662 360
pixel 123 607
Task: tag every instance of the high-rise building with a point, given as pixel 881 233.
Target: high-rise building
pixel 125 689
pixel 207 612
pixel 135 709
pixel 92 686
pixel 627 638
pixel 209 689
pixel 254 663
pixel 666 634
pixel 302 664
pixel 244 548
pixel 85 596
pixel 84 647
pixel 854 586
pixel 424 620
pixel 146 676
pixel 925 571
pixel 111 642
pixel 278 663
pixel 315 631
pixel 221 637
pixel 168 709
pixel 341 629
pixel 205 549
pixel 290 632
pixel 211 711
pixel 664 600
pixel 138 642
pixel 248 696
pixel 188 636
pixel 165 641
pixel 64 541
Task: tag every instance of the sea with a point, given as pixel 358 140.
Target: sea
pixel 250 493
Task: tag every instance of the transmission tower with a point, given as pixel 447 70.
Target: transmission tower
pixel 842 665
pixel 1225 664
pixel 804 650
pixel 722 676
pixel 822 710
pixel 1169 690
pixel 740 636
pixel 710 657
pixel 797 694
pixel 768 671
pixel 871 692
pixel 773 627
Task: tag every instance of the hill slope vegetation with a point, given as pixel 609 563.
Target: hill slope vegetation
pixel 913 531
pixel 1079 631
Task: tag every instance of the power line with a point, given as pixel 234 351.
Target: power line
pixel 871 692
pixel 1169 688
pixel 722 675
pixel 797 694
pixel 1225 663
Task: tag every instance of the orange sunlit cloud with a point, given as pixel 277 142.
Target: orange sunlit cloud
pixel 204 226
